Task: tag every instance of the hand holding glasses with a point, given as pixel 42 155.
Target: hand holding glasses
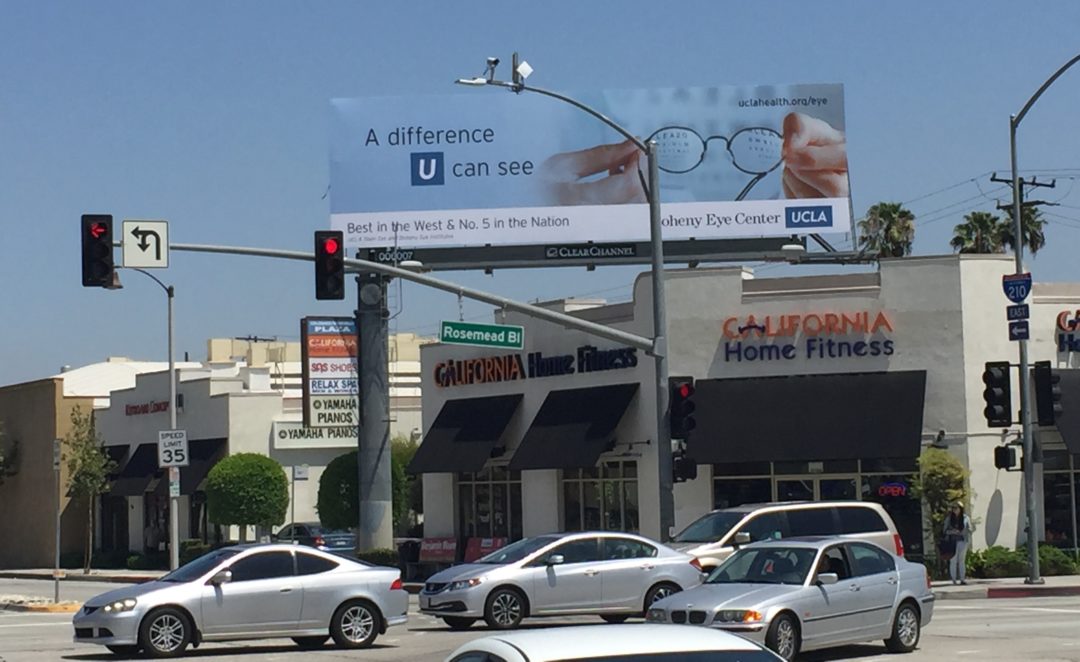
pixel 754 150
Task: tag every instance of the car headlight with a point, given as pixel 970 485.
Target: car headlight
pixel 656 615
pixel 738 616
pixel 121 605
pixel 464 583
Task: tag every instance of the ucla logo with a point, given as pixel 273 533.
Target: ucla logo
pixel 808 217
pixel 427 168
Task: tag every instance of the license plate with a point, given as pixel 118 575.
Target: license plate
pixel 425 602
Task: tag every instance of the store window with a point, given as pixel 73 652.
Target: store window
pixel 1061 489
pixel 489 504
pixel 601 498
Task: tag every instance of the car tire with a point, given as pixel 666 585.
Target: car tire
pixel 783 636
pixel 310 642
pixel 504 609
pixel 458 622
pixel 165 632
pixel 615 618
pixel 355 624
pixel 906 630
pixel 659 592
pixel 124 651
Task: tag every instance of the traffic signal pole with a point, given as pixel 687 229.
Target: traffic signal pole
pixel 375 528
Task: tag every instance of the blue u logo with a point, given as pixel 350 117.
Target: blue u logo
pixel 427 168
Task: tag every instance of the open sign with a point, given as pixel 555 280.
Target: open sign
pixel 892 490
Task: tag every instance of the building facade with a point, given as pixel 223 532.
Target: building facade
pixel 816 387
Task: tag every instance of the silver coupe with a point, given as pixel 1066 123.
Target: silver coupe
pixel 801 594
pixel 248 592
pixel 613 575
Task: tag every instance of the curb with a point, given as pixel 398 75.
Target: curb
pixel 68 608
pixel 110 579
pixel 1032 591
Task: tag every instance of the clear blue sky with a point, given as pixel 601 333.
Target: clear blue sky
pixel 214 115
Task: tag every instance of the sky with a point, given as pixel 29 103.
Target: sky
pixel 216 117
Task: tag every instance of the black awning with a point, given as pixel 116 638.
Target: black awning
pixel 136 475
pixel 464 434
pixel 1068 421
pixel 573 427
pixel 839 416
pixel 203 454
pixel 116 455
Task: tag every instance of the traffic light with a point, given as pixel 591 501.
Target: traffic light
pixel 998 394
pixel 683 468
pixel 1004 457
pixel 329 264
pixel 681 391
pixel 97 250
pixel 1047 393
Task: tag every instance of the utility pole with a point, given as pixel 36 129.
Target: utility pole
pixel 376 526
pixel 1031 490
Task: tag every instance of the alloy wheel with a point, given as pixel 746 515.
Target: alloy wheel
pixel 506 609
pixel 908 627
pixel 785 639
pixel 166 633
pixel 357 623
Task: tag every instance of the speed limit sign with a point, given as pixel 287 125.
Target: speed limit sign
pixel 172 448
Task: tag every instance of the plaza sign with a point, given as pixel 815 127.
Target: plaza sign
pixel 330 375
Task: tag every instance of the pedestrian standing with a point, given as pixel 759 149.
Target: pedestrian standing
pixel 957 530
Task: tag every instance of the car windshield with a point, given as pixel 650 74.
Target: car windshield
pixel 515 552
pixel 199 567
pixel 691 656
pixel 710 527
pixel 765 565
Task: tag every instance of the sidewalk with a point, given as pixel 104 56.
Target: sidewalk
pixel 1012 587
pixel 117 576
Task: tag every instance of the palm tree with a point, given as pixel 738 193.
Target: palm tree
pixel 888 229
pixel 981 232
pixel 1031 227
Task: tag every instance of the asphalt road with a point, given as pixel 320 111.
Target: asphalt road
pixel 1022 629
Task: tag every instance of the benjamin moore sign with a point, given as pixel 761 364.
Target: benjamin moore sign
pixel 510 367
pixel 480 169
pixel 330 373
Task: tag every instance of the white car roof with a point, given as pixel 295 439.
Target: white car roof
pixel 591 641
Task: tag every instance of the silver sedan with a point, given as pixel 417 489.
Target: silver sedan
pixel 613 575
pixel 248 592
pixel 795 595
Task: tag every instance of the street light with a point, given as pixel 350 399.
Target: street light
pixel 1025 384
pixel 659 351
pixel 174 517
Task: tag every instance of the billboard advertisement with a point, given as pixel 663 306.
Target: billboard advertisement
pixel 495 168
pixel 330 373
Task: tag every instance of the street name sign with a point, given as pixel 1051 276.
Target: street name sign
pixel 172 448
pixel 504 336
pixel 331 376
pixel 1017 286
pixel 1018 312
pixel 1018 330
pixel 146 244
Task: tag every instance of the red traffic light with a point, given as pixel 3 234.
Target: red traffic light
pixel 685 390
pixel 98 229
pixel 331 246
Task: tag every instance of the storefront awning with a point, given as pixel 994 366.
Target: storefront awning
pixel 136 475
pixel 203 454
pixel 116 455
pixel 1068 421
pixel 464 434
pixel 839 416
pixel 573 427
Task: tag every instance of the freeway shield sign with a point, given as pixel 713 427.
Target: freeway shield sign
pixel 482 335
pixel 1017 286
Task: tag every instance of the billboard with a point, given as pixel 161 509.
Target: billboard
pixel 496 168
pixel 330 372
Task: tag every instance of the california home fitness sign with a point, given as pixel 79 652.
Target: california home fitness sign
pixel 808 336
pixel 533 365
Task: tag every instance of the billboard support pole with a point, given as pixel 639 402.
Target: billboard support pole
pixel 375 528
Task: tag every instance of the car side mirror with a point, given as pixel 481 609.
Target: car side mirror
pixel 742 538
pixel 221 577
pixel 827 578
pixel 555 559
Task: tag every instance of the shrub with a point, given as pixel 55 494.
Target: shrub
pixel 100 560
pixel 192 549
pixel 338 500
pixel 152 561
pixel 999 561
pixel 941 482
pixel 1053 561
pixel 247 489
pixel 384 556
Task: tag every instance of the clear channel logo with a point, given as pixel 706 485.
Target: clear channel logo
pixel 818 216
pixel 427 168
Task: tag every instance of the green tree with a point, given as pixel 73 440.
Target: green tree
pixel 981 232
pixel 9 455
pixel 88 470
pixel 247 489
pixel 941 482
pixel 1031 227
pixel 338 503
pixel 403 449
pixel 888 229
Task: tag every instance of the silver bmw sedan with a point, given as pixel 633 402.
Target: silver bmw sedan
pixel 613 575
pixel 803 594
pixel 248 592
